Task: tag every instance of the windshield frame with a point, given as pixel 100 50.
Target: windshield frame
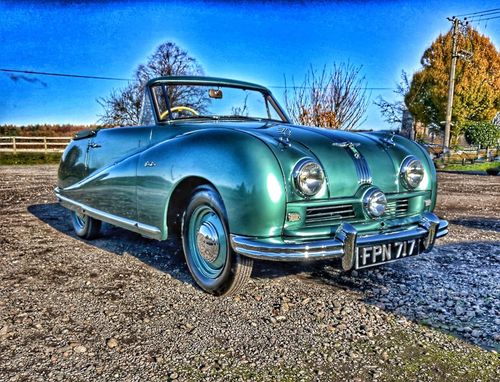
pixel 270 101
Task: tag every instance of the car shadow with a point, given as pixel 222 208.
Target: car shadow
pixel 490 224
pixel 165 256
pixel 396 287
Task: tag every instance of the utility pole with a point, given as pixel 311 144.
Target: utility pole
pixel 451 84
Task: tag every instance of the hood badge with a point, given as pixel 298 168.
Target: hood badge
pixel 349 145
pixel 389 140
pixel 284 137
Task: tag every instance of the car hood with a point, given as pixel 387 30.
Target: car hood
pixel 349 159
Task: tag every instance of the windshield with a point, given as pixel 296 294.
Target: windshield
pixel 176 102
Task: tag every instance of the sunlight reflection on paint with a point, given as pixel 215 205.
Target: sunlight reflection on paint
pixel 274 188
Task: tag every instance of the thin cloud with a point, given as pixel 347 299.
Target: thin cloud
pixel 31 80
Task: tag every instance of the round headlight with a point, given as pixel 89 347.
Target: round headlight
pixel 375 202
pixel 309 177
pixel 412 172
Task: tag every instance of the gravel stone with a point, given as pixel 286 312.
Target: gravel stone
pixel 112 343
pixel 80 349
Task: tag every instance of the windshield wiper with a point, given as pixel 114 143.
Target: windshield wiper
pixel 240 117
pixel 211 117
pixel 223 117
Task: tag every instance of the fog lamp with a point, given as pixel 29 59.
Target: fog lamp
pixel 375 202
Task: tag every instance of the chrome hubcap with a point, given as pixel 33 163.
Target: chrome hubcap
pixel 207 241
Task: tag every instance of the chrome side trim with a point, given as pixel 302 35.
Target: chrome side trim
pixel 143 229
pixel 342 245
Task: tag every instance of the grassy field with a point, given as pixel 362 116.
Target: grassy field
pixel 471 167
pixel 29 158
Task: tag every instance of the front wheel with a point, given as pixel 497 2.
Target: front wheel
pixel 215 267
pixel 85 226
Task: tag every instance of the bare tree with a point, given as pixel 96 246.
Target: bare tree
pixel 335 99
pixel 392 112
pixel 123 106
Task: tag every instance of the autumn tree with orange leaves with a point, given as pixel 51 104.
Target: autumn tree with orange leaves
pixel 477 83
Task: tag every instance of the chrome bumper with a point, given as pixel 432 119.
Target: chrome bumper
pixel 342 245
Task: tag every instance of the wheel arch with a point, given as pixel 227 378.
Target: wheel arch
pixel 179 200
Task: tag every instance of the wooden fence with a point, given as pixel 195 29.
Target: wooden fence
pixel 33 144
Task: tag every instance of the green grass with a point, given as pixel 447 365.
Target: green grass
pixel 441 363
pixel 471 167
pixel 29 158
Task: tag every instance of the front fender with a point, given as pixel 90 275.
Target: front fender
pixel 242 168
pixel 430 181
pixel 403 147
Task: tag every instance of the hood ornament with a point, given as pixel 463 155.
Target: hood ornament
pixel 349 145
pixel 346 144
pixel 284 137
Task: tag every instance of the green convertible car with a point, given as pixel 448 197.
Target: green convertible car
pixel 218 163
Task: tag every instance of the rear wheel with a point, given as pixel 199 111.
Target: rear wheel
pixel 85 226
pixel 215 267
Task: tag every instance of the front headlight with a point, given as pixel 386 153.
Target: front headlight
pixel 412 172
pixel 309 177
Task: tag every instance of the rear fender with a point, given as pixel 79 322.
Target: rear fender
pixel 73 166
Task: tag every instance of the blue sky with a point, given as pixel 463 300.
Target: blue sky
pixel 254 41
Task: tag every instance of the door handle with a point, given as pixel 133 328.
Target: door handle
pixel 149 164
pixel 94 145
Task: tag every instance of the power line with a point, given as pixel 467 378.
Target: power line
pixel 481 20
pixel 308 87
pixel 65 75
pixel 479 12
pixel 128 79
pixel 479 17
pixel 482 15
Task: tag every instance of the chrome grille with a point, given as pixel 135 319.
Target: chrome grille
pixel 329 213
pixel 325 214
pixel 395 208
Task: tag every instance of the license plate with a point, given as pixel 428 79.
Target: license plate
pixel 369 256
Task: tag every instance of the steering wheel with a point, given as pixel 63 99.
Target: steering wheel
pixel 178 108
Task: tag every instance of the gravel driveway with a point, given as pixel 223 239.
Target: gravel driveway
pixel 124 308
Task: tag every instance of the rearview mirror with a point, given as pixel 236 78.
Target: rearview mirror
pixel 215 93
